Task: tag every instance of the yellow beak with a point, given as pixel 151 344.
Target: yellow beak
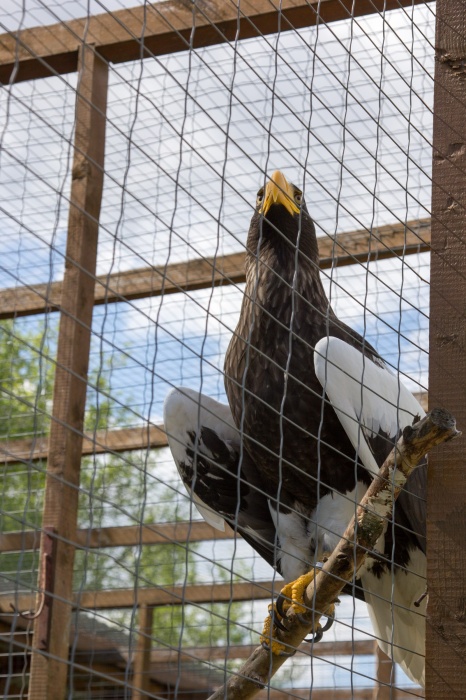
pixel 279 191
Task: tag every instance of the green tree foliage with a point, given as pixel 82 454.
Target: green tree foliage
pixel 122 489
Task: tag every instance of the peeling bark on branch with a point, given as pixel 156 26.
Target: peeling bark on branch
pixel 360 536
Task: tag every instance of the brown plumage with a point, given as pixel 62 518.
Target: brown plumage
pixel 285 312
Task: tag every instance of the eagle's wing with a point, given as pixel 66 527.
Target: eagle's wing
pixel 218 474
pixel 373 407
pixel 371 403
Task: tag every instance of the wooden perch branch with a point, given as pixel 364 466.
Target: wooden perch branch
pixel 360 537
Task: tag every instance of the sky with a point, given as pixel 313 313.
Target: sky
pixel 345 110
pixel 189 138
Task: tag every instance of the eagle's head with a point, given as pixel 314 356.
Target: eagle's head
pixel 281 221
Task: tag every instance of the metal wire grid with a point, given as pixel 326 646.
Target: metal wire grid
pixel 165 143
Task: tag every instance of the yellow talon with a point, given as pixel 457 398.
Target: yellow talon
pixel 295 592
pixel 267 638
pixel 292 596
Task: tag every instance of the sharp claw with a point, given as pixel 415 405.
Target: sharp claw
pixel 276 622
pixel 321 629
pixel 279 605
pixel 328 624
pixel 317 636
pixel 302 618
pixel 287 653
pixel 265 646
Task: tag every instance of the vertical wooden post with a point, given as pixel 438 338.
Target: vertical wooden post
pixel 52 628
pixel 446 498
pixel 385 685
pixel 141 677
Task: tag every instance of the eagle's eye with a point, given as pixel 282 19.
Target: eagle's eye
pixel 298 197
pixel 260 197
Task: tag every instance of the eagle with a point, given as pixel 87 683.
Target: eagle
pixel 313 411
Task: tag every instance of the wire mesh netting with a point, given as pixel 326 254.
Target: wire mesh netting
pixel 163 605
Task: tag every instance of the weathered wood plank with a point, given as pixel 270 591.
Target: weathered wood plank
pixel 122 536
pixel 142 655
pixel 349 247
pixel 166 28
pixel 166 595
pixel 122 440
pixel 446 495
pixel 385 687
pixel 51 628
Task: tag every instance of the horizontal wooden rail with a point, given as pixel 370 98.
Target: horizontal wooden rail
pixel 346 249
pixel 122 440
pixel 122 536
pixel 166 595
pixel 165 28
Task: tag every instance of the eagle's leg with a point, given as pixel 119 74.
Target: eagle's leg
pixel 292 596
pixel 268 639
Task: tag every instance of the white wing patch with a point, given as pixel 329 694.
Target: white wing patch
pixel 183 412
pixel 368 399
pixel 209 515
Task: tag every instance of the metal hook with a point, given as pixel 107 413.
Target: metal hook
pixel 45 577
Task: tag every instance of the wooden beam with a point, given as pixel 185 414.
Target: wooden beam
pixel 446 495
pixel 165 28
pixel 385 687
pixel 49 663
pixel 168 595
pixel 142 655
pixel 122 440
pixel 129 285
pixel 123 536
pixel 347 248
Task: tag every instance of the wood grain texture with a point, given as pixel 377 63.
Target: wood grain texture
pixel 163 595
pixel 142 655
pixel 49 670
pixel 446 511
pixel 164 28
pixel 122 536
pixel 118 440
pixel 347 248
pixel 385 687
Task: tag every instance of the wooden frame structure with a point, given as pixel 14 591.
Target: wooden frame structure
pixel 446 567
pixel 166 27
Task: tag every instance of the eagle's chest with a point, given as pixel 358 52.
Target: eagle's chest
pixel 290 430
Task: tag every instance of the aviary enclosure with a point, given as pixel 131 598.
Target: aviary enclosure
pixel 133 143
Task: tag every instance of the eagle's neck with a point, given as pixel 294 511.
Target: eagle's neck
pixel 276 270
